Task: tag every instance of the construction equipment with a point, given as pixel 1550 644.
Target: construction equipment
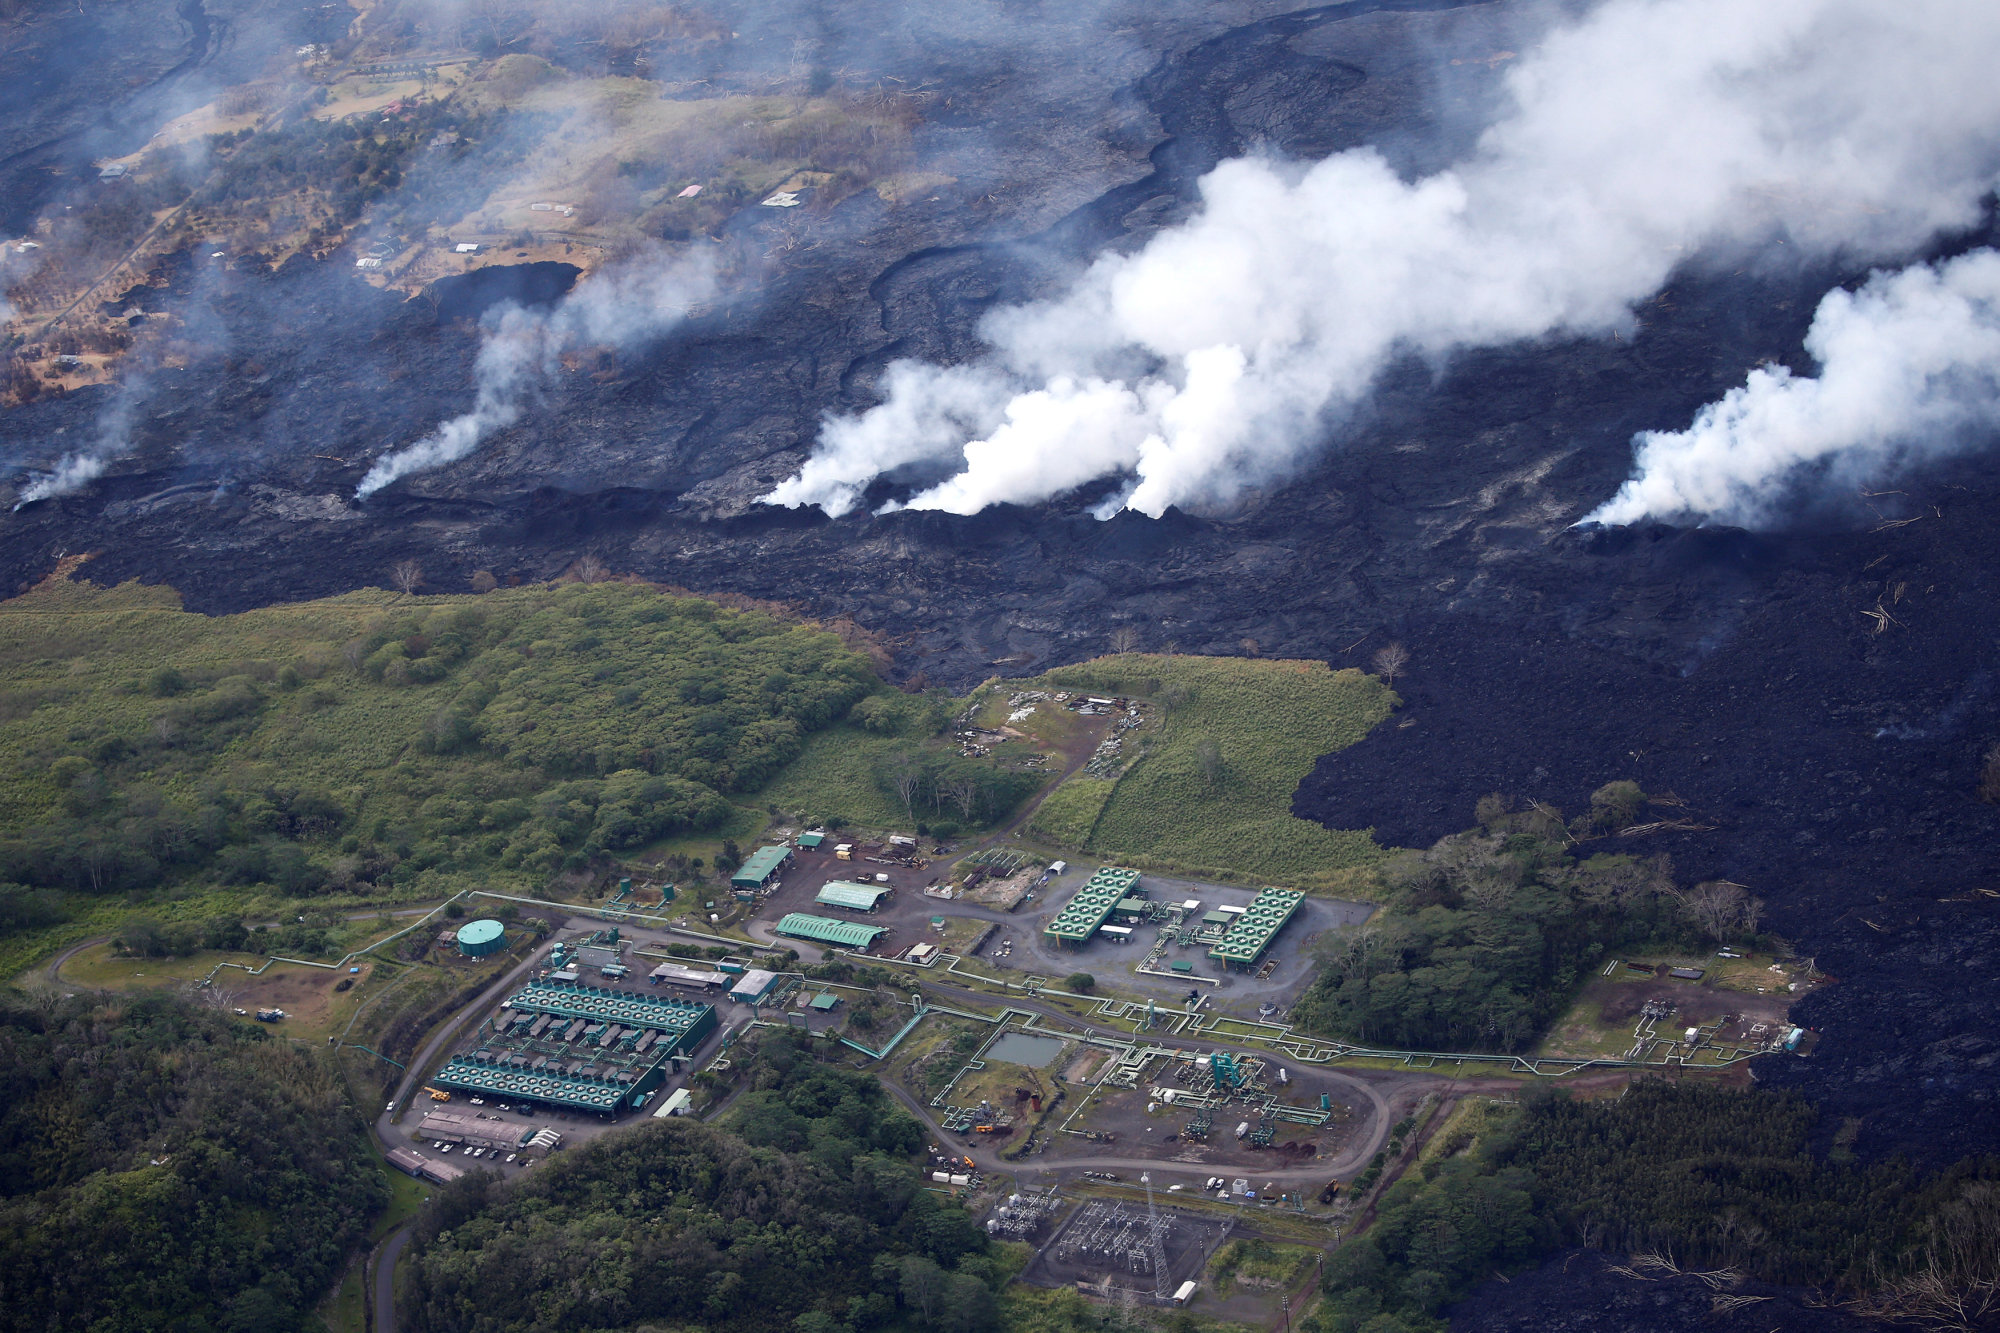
pixel 438 1094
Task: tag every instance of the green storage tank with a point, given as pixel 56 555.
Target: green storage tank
pixel 476 939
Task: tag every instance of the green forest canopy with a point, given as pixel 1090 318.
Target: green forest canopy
pixel 379 746
pixel 167 1167
pixel 1485 937
pixel 810 1218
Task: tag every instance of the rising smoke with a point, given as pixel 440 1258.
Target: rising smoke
pixel 629 303
pixel 111 440
pixel 1646 135
pixel 1909 368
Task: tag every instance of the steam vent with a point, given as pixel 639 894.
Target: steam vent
pixel 476 939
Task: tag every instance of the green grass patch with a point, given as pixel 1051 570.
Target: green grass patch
pixel 832 779
pixel 376 748
pixel 1068 815
pixel 1257 1264
pixel 1211 790
pixel 406 1195
pixel 343 1311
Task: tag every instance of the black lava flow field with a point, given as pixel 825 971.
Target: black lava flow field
pixel 1820 699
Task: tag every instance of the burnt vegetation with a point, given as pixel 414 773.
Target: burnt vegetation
pixel 1682 1178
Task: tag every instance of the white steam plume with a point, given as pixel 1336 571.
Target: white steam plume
pixel 620 306
pixel 74 472
pixel 1909 368
pixel 113 441
pixel 1210 361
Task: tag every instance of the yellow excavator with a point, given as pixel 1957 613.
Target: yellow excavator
pixel 438 1094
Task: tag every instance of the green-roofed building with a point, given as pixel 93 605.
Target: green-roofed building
pixel 825 1001
pixel 758 870
pixel 1256 926
pixel 1088 908
pixel 577 1047
pixel 854 897
pixel 825 930
pixel 811 841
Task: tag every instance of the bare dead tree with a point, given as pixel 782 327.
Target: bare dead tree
pixel 1125 639
pixel 1391 661
pixel 590 569
pixel 965 795
pixel 1957 1285
pixel 908 778
pixel 1208 762
pixel 1722 908
pixel 407 576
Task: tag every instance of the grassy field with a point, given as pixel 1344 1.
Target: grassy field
pixel 831 780
pixel 1068 815
pixel 103 967
pixel 1211 792
pixel 1257 1263
pixel 377 748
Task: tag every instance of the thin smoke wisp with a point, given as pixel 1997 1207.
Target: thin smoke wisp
pixel 1909 369
pixel 1649 133
pixel 78 469
pixel 620 307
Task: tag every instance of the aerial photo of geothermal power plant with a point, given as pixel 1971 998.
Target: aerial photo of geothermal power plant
pixel 785 666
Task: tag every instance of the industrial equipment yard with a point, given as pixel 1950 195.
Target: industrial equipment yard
pixel 1126 1130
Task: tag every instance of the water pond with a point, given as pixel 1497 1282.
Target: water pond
pixel 1022 1048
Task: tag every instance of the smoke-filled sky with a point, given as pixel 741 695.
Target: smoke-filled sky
pixel 1647 134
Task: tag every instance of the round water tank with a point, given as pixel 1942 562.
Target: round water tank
pixel 478 938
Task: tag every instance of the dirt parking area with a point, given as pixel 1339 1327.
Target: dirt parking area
pixel 1694 1002
pixel 310 996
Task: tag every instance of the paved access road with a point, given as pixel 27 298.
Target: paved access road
pixel 382 1292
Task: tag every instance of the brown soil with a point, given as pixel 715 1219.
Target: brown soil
pixel 1693 1003
pixel 306 994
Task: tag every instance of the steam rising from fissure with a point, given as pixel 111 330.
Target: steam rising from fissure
pixel 620 306
pixel 1216 359
pixel 1909 369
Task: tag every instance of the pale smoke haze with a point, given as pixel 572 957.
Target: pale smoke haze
pixel 636 300
pixel 1220 356
pixel 1909 369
